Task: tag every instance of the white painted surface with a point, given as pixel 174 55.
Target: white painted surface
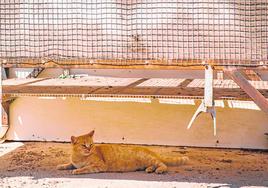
pixel 34 118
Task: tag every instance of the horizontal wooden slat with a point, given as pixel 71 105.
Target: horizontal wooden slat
pixel 251 75
pixel 79 87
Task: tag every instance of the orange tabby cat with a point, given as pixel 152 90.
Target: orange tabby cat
pixel 90 158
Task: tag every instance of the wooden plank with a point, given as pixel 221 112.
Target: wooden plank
pixel 137 82
pixel 34 81
pixel 22 81
pixel 133 67
pixel 119 66
pixel 178 92
pixel 49 89
pixel 251 75
pixel 115 87
pixel 17 87
pixel 185 83
pixel 257 97
pixel 181 64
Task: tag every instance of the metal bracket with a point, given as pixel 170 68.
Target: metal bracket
pixel 66 72
pixel 207 104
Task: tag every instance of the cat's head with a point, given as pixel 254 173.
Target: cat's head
pixel 83 143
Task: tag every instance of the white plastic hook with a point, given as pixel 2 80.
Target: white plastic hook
pixel 207 104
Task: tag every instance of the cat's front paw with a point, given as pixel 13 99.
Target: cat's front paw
pixel 160 171
pixel 76 172
pixel 60 167
pixel 185 160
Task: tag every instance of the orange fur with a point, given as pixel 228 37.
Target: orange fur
pixel 90 158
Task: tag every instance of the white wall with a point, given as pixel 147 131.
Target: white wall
pixel 56 119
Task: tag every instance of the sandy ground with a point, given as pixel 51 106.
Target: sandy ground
pixel 33 164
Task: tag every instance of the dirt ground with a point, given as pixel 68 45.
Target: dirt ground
pixel 33 164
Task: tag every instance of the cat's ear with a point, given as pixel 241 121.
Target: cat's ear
pixel 91 133
pixel 73 139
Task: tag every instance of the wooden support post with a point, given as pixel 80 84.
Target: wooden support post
pixel 5 119
pixel 256 96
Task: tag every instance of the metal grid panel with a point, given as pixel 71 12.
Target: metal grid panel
pixel 225 30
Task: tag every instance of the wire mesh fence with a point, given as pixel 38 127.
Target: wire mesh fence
pixel 134 31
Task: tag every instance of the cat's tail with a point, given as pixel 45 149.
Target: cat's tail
pixel 174 161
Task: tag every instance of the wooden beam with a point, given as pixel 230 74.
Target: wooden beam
pixel 115 66
pixel 251 75
pixel 80 86
pixel 157 64
pixel 22 81
pixel 137 82
pixel 175 92
pixel 5 105
pixel 22 85
pixel 7 98
pixel 185 83
pixel 256 96
pixel 33 81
